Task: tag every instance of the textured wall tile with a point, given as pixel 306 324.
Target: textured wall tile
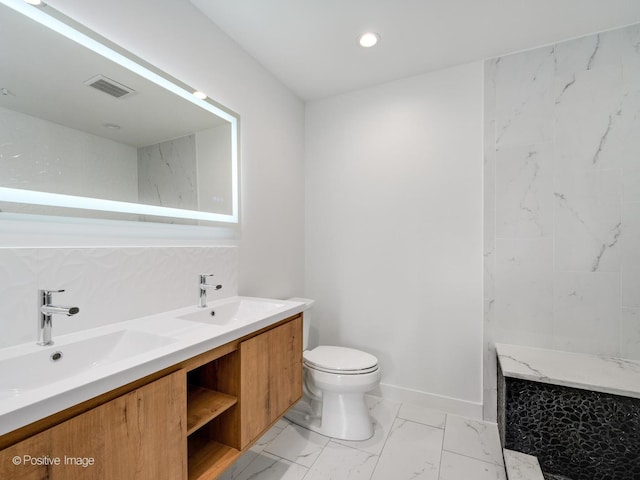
pixel 18 295
pixel 90 278
pixel 108 284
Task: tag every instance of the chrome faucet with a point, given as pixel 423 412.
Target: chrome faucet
pixel 46 312
pixel 204 286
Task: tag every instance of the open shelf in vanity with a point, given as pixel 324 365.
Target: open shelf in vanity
pixel 212 415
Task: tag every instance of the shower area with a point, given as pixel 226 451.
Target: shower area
pixel 562 216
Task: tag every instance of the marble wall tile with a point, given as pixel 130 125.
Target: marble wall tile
pixel 524 98
pixel 577 105
pixel 630 333
pixel 167 174
pixel 631 185
pixel 630 255
pixel 586 116
pixel 588 222
pixel 524 295
pixel 524 186
pixel 586 312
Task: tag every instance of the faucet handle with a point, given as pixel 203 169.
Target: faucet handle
pixel 49 292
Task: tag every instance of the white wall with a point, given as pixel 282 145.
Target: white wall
pixel 177 38
pixel 393 231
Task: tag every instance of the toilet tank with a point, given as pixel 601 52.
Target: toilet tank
pixel 306 319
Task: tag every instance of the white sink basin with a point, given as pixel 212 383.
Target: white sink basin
pixel 95 361
pixel 238 310
pixel 21 373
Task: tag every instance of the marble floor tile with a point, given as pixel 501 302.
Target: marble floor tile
pixel 459 467
pixel 412 451
pixel 270 467
pixel 420 414
pixel 520 466
pixel 250 455
pixel 475 439
pixel 410 442
pixel 384 413
pixel 298 445
pixel 338 462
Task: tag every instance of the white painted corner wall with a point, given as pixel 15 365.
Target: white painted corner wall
pixel 393 226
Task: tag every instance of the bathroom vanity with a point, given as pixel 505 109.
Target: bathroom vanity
pixel 189 420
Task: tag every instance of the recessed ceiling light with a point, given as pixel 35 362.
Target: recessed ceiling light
pixel 368 39
pixel 199 95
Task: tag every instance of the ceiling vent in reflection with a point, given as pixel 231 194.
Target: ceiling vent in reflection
pixel 110 87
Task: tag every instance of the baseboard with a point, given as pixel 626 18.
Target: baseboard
pixel 437 402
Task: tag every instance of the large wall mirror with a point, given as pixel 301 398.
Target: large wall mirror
pixel 86 129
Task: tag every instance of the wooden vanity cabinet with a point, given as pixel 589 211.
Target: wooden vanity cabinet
pixel 271 377
pixel 139 435
pixel 190 424
pixel 252 387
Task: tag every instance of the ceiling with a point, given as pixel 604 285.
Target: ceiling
pixel 311 45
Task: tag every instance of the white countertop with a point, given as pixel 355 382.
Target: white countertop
pixel 578 370
pixel 21 406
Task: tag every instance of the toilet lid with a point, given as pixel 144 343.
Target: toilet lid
pixel 340 360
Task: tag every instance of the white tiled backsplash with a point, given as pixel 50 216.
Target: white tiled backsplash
pixel 108 284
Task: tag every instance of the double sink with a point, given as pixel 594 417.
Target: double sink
pixel 37 381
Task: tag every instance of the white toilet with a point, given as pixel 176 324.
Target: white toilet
pixel 335 381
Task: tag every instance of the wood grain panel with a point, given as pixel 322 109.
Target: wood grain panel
pixel 140 435
pixel 271 377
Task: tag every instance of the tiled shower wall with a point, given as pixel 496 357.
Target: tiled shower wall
pixel 108 284
pixel 562 199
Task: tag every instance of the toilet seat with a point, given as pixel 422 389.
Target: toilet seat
pixel 340 360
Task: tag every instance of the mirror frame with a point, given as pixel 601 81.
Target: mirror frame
pixel 70 29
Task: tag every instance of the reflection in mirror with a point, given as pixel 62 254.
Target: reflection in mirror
pixel 86 130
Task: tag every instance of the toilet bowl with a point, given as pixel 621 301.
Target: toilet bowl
pixel 335 380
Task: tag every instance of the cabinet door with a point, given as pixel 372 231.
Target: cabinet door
pixel 271 377
pixel 140 435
